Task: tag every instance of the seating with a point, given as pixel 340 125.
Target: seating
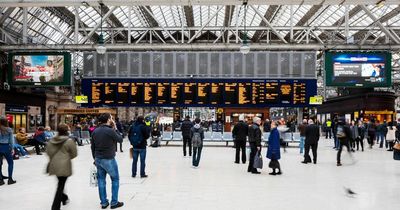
pixel 207 136
pixel 217 136
pixel 177 136
pixel 166 136
pixel 296 137
pixel 227 136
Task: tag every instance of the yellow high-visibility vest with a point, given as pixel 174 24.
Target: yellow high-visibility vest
pixel 329 124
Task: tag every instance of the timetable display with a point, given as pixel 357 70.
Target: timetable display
pixel 199 92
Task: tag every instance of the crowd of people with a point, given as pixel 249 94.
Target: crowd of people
pixel 106 133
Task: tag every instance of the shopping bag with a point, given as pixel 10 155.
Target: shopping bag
pixel 93 176
pixel 258 161
pixel 396 151
pixel 131 153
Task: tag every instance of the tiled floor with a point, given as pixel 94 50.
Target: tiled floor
pixel 218 183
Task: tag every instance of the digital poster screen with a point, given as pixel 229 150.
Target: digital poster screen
pixel 358 69
pixel 199 92
pixel 40 69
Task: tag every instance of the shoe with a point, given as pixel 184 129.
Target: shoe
pixel 104 207
pixel 144 176
pixel 236 162
pixel 39 154
pixel 65 202
pixel 4 177
pixel 256 172
pixel 338 164
pixel 1 182
pixel 273 174
pixel 26 156
pixel 389 150
pixel 279 173
pixel 133 176
pixel 305 162
pixel 119 204
pixel 122 151
pixel 315 162
pixel 11 181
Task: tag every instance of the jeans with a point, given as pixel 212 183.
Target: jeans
pixel 5 151
pixel 20 149
pixel 302 139
pixel 380 138
pixel 187 141
pixel 240 145
pixel 328 133
pixel 196 155
pixel 347 144
pixel 60 195
pixel 136 154
pixel 104 167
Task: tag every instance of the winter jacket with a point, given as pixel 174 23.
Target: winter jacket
pixel 274 146
pixel 267 126
pixel 7 137
pixel 145 131
pixel 22 138
pixel 240 131
pixel 40 136
pixel 104 139
pixel 302 129
pixel 255 135
pixel 312 134
pixel 347 131
pixel 186 127
pixel 61 150
pixel 197 128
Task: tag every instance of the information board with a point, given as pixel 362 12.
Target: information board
pixel 199 92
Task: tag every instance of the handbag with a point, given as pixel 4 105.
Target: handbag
pixel 93 176
pixel 131 152
pixel 258 161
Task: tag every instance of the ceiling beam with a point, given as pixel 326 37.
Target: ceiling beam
pixel 268 15
pixel 229 9
pixel 59 3
pixel 114 20
pixel 6 14
pixel 188 10
pixel 150 20
pixel 199 46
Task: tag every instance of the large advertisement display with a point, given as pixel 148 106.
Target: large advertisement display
pixel 358 69
pixel 40 69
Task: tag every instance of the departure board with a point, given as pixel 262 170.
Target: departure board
pixel 189 93
pixel 150 93
pixel 163 93
pixel 137 93
pixel 123 92
pixel 176 93
pixel 216 93
pixel 203 93
pixel 272 92
pixel 245 93
pixel 199 92
pixel 110 90
pixel 96 93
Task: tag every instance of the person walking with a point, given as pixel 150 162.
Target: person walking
pixel 6 149
pixel 120 129
pixel 312 137
pixel 61 150
pixel 302 129
pixel 197 136
pixel 274 150
pixel 104 139
pixel 186 128
pixel 344 135
pixel 255 143
pixel 239 134
pixel 138 135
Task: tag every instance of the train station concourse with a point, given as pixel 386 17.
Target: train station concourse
pixel 199 104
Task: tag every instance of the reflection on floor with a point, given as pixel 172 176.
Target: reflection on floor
pixel 219 183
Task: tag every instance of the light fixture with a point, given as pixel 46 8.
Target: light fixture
pixel 100 48
pixel 245 47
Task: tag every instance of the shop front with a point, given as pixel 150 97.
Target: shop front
pixel 82 115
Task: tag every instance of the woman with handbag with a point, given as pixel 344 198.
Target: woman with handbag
pixel 61 150
pixel 274 152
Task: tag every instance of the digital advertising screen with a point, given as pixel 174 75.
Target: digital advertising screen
pixel 40 69
pixel 199 92
pixel 358 69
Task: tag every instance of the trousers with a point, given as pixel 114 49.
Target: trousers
pixel 60 195
pixel 240 145
pixel 314 148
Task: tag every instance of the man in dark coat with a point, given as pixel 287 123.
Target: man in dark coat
pixel 345 137
pixel 312 138
pixel 267 126
pixel 239 134
pixel 186 127
pixel 255 143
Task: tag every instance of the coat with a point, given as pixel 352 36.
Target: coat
pixel 255 135
pixel 61 150
pixel 312 134
pixel 240 131
pixel 274 146
pixel 22 138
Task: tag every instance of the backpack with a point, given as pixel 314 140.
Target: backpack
pixel 196 138
pixel 340 132
pixel 135 135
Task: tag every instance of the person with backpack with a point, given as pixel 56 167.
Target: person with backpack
pixel 197 136
pixel 104 139
pixel 186 128
pixel 239 134
pixel 255 143
pixel 138 135
pixel 312 137
pixel 344 135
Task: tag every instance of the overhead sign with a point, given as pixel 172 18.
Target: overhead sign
pixel 316 100
pixel 81 99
